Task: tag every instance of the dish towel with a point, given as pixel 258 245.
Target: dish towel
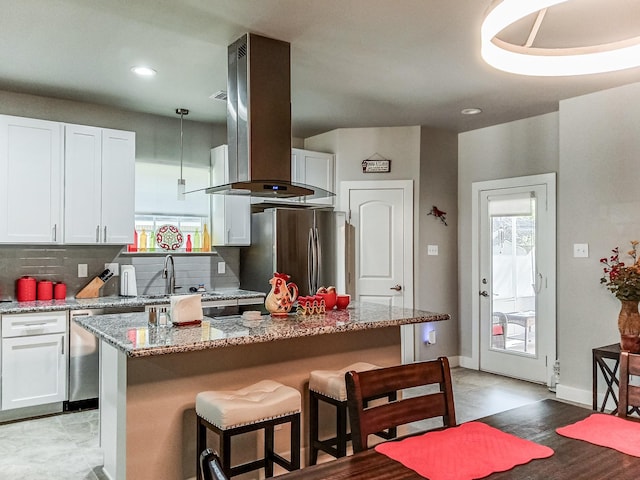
pixel 607 431
pixel 471 450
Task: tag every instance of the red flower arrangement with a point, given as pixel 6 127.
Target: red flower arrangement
pixel 621 279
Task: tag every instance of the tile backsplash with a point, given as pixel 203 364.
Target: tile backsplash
pixel 59 263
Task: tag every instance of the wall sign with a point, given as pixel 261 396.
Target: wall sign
pixel 376 166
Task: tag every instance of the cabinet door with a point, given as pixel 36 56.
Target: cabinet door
pixel 316 169
pixel 118 186
pixel 231 220
pixel 83 180
pixel 33 370
pixel 30 180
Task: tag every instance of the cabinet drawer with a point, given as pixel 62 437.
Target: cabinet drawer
pixel 40 323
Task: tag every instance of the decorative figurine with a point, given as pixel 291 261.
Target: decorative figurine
pixel 282 295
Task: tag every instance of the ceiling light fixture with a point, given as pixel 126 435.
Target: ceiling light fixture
pixel 143 71
pixel 471 111
pixel 548 62
pixel 181 182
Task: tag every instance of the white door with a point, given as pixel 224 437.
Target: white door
pixel 516 284
pixel 118 186
pixel 82 187
pixel 381 218
pixel 30 180
pixel 33 370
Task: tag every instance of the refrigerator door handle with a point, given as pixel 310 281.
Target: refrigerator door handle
pixel 310 266
pixel 318 257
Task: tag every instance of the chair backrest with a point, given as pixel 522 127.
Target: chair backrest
pixel 629 394
pixel 211 466
pixel 379 382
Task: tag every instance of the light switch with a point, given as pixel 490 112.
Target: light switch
pixel 82 270
pixel 432 249
pixel 222 267
pixel 580 250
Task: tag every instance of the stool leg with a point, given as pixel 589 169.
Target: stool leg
pixel 295 442
pixel 313 428
pixel 201 443
pixel 341 429
pixel 225 453
pixel 268 451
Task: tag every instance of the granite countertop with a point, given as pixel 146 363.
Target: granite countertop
pixel 121 302
pixel 130 333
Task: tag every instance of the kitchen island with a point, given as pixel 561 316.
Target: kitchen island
pixel 150 376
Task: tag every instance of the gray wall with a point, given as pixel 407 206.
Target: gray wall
pixel 524 147
pixel 428 157
pixel 598 204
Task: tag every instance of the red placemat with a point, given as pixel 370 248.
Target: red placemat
pixel 607 431
pixel 471 450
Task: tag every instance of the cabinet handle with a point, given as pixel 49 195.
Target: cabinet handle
pixel 228 235
pixel 62 346
pixel 105 234
pixel 97 233
pixel 55 232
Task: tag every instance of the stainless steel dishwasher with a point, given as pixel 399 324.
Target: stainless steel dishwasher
pixel 84 356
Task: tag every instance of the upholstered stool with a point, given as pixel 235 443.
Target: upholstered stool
pixel 260 406
pixel 329 386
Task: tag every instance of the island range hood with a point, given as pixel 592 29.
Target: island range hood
pixel 259 121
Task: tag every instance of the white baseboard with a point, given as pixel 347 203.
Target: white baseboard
pixel 584 397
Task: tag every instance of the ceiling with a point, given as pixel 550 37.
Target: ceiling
pixel 355 63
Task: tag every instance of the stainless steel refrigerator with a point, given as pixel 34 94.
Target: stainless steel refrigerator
pixel 307 244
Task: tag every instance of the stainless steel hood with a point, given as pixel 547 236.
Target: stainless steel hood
pixel 259 121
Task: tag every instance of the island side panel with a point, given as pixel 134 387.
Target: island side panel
pixel 161 390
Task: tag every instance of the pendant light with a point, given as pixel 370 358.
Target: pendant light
pixel 181 183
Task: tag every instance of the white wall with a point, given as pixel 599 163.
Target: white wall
pixel 524 147
pixel 598 204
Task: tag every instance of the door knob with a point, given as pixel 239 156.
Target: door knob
pixel 397 288
pixel 484 293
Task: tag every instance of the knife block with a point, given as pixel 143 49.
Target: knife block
pixel 92 289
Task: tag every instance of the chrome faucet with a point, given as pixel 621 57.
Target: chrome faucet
pixel 171 279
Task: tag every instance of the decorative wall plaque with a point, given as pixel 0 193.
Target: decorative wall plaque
pixel 376 166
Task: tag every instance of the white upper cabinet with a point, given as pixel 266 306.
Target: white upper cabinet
pixel 316 169
pixel 30 180
pixel 99 185
pixel 230 214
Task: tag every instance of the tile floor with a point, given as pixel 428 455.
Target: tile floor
pixel 65 446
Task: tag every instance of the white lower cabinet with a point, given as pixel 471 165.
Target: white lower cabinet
pixel 34 359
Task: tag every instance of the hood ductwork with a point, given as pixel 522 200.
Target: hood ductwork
pixel 259 121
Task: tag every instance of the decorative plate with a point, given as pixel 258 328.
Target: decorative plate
pixel 169 237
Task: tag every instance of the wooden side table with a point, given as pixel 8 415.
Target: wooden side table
pixel 606 359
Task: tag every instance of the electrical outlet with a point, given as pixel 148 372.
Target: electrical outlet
pixel 114 267
pixel 580 250
pixel 432 249
pixel 82 270
pixel 222 267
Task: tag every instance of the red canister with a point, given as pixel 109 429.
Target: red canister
pixel 45 290
pixel 59 291
pixel 26 289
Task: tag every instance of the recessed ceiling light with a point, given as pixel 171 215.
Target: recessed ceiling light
pixel 471 111
pixel 143 71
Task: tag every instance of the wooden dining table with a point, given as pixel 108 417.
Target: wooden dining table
pixel 572 459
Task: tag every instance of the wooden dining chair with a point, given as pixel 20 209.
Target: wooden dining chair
pixel 629 401
pixel 211 466
pixel 380 382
